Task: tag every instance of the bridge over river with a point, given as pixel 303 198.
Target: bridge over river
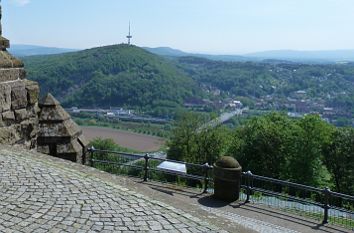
pixel 221 119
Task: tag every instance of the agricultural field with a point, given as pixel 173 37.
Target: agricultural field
pixel 134 141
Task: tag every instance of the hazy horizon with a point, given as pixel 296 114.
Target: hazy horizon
pixel 226 27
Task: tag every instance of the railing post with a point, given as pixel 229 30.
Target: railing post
pixel 248 175
pixel 146 167
pixel 206 168
pixel 326 193
pixel 91 150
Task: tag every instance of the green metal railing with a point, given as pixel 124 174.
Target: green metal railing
pixel 321 204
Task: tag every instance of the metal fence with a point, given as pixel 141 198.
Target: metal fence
pixel 146 167
pixel 321 204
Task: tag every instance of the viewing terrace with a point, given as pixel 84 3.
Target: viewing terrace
pixel 40 193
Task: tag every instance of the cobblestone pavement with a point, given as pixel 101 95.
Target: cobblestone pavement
pixel 250 223
pixel 40 196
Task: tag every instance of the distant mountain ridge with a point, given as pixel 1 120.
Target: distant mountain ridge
pixel 325 56
pixel 298 55
pixel 170 52
pixel 271 56
pixel 22 50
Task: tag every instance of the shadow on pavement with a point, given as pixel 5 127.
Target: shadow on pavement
pixel 209 201
pixel 322 227
pixel 288 217
pixel 172 190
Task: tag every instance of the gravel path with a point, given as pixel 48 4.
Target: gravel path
pixel 41 196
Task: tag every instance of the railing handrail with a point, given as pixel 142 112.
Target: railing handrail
pixel 92 149
pixel 283 182
pixel 143 155
pixel 296 185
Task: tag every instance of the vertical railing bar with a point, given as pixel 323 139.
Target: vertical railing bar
pixel 146 167
pixel 248 185
pixel 91 151
pixel 326 193
pixel 206 168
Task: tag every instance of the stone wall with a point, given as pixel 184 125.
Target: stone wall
pixel 18 103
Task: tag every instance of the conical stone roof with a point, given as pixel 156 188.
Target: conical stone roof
pixel 48 101
pixel 54 120
pixel 58 134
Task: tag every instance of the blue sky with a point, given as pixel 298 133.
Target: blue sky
pixel 209 26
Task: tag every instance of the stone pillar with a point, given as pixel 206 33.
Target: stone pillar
pixel 59 135
pixel 227 179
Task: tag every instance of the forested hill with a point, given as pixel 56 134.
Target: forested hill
pixel 117 75
pixel 122 75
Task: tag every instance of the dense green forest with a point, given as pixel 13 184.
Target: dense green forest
pixel 118 75
pixel 307 150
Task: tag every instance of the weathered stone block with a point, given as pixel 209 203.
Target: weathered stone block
pixel 2 124
pixel 66 129
pixel 72 147
pixel 53 114
pixel 33 111
pixel 8 61
pixel 21 114
pixel 18 95
pixel 30 128
pixel 48 101
pixel 43 149
pixel 22 73
pixel 83 141
pixel 8 116
pixel 8 135
pixel 32 89
pixel 5 97
pixel 9 74
pixel 4 43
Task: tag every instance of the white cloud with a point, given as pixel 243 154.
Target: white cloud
pixel 20 2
